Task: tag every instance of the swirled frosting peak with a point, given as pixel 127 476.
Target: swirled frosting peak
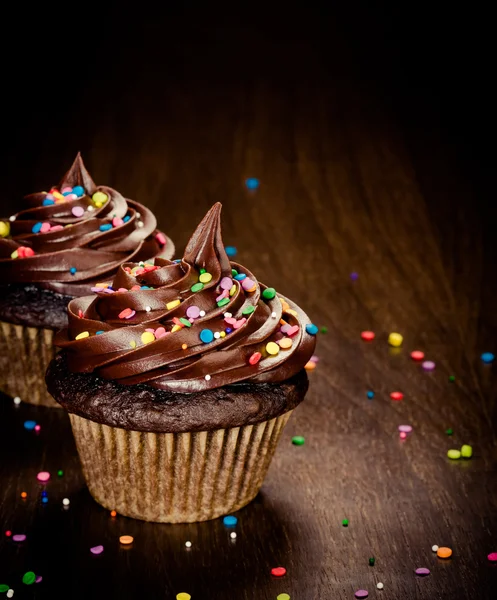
pixel 70 237
pixel 190 325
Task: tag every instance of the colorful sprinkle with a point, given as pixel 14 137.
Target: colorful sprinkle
pixel 466 451
pixel 223 302
pixel 183 596
pixel 311 329
pixel 252 183
pixel 73 270
pixel 255 358
pixel 113 514
pixel 196 287
pixel 29 578
pixel 487 357
pixel 19 537
pixel 226 283
pixel 278 571
pixel 231 250
pixel 248 284
pixel 395 339
pixel 126 539
pixel 78 211
pixel 371 561
pixel 422 571
pixel 370 394
pixel 345 522
pixel 193 312
pixel 428 365
pixel 452 378
pixel 454 454
pixel 368 336
pixel 97 549
pixel 36 227
pixel 147 337
pixel 205 278
pixel 272 348
pixel 4 229
pixel 82 335
pixel 298 440
pixel 417 355
pixel 105 227
pixel 240 276
pixel 230 521
pixel 185 322
pixel 248 310
pixel 434 548
pixel 99 197
pixel 444 552
pixel 396 395
pixel 206 336
pixel 405 428
pixel 354 276
pixel 43 476
pixel 269 293
pixel 449 431
pixel 207 378
pixel 310 365
pixel 78 190
pixel 285 343
pixel 380 585
pixel 492 557
pixel 361 594
pixel 127 313
pixel 283 597
pixel 29 425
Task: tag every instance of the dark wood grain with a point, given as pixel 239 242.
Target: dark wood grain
pixel 361 171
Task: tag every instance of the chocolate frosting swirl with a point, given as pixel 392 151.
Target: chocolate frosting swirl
pixel 75 253
pixel 186 336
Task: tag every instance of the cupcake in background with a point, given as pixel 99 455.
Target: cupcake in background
pixel 57 248
pixel 180 376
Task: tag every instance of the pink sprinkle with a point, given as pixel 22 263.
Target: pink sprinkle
pixel 226 283
pixel 71 197
pixel 428 365
pixel 43 476
pixel 78 211
pixel 37 428
pixel 314 358
pixel 492 557
pixel 361 594
pixel 292 331
pixel 230 320
pixel 19 537
pixel 193 312
pixel 66 189
pixel 45 227
pixel 150 330
pixel 285 328
pixel 247 283
pixel 159 332
pixel 191 320
pixel 117 222
pixel 239 323
pixel 38 579
pixel 161 238
pixel 403 435
pixel 97 549
pixel 405 428
pixel 422 571
pixel 56 228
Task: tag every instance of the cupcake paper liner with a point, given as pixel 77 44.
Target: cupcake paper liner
pixel 25 354
pixel 175 477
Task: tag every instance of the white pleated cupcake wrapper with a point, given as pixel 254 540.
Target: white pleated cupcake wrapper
pixel 176 477
pixel 25 353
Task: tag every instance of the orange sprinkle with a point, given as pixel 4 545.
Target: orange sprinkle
pixel 24 495
pixel 126 539
pixel 310 366
pixel 285 343
pixel 444 552
pixel 184 346
pixel 113 513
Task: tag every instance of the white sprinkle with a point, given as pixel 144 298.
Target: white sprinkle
pixel 188 544
pixel 273 315
pixel 233 535
pixel 138 215
pixel 140 223
pixel 379 585
pixel 12 218
pixel 202 313
pixel 17 401
pixel 90 208
pixel 434 548
pixel 10 593
pixel 227 315
pixel 217 335
pixel 207 378
pixel 148 308
pixel 66 502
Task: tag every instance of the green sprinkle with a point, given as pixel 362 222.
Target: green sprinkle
pixel 324 329
pixel 345 522
pixel 371 561
pixel 248 310
pixel 202 271
pixel 234 272
pixel 60 472
pixel 449 431
pixel 185 322
pixel 196 287
pixel 29 578
pixel 454 454
pixel 223 302
pixel 298 440
pixel 269 293
pixel 466 451
pixel 4 588
pixel 452 378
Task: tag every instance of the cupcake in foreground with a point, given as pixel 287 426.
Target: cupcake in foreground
pixel 57 249
pixel 180 378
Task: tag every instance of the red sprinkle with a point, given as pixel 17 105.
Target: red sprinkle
pixel 126 313
pixel 255 358
pixel 8 533
pixel 417 355
pixel 492 557
pixel 278 571
pixel 368 336
pixel 396 395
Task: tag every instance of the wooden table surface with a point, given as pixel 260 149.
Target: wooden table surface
pixel 362 169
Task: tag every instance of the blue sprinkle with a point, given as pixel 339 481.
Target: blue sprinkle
pixel 206 336
pixel 252 183
pixel 145 287
pixel 37 228
pixel 240 276
pixel 72 270
pixel 354 276
pixel 487 357
pixel 105 227
pixel 228 330
pixel 78 190
pixel 44 500
pixel 44 494
pixel 231 250
pixel 29 425
pixel 47 202
pixel 126 219
pixel 312 329
pixel 99 332
pixel 230 521
pixel 177 260
pixel 370 394
pixel 67 193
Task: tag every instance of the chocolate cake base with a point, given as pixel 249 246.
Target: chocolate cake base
pixel 32 306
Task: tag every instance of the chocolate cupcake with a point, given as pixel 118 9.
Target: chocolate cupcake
pixel 56 249
pixel 180 377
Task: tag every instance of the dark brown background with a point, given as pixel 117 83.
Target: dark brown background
pixel 367 130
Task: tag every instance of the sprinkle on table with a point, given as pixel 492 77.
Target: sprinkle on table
pixel 231 250
pixel 278 571
pixel 466 451
pixel 345 522
pixel 126 539
pixel 488 357
pixel 444 552
pixel 396 395
pixel 454 454
pixel 311 329
pixel 428 365
pixel 368 336
pixel 98 549
pixel 298 440
pixel 417 355
pixel 43 476
pixel 230 521
pixel 370 394
pixel 29 578
pixel 395 339
pixel 361 594
pixel 422 571
pixel 283 596
pixel 183 596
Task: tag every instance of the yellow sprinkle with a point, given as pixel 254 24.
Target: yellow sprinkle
pixel 285 343
pixel 232 290
pixel 176 328
pixel 184 346
pixel 205 278
pixel 290 311
pixel 173 304
pixel 98 204
pixel 310 366
pixel 132 344
pixel 183 596
pixel 272 348
pixel 395 339
pixel 4 229
pixel 99 197
pixel 82 335
pixel 222 334
pixel 284 304
pixel 102 285
pixel 14 254
pixel 147 337
pixel 58 195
